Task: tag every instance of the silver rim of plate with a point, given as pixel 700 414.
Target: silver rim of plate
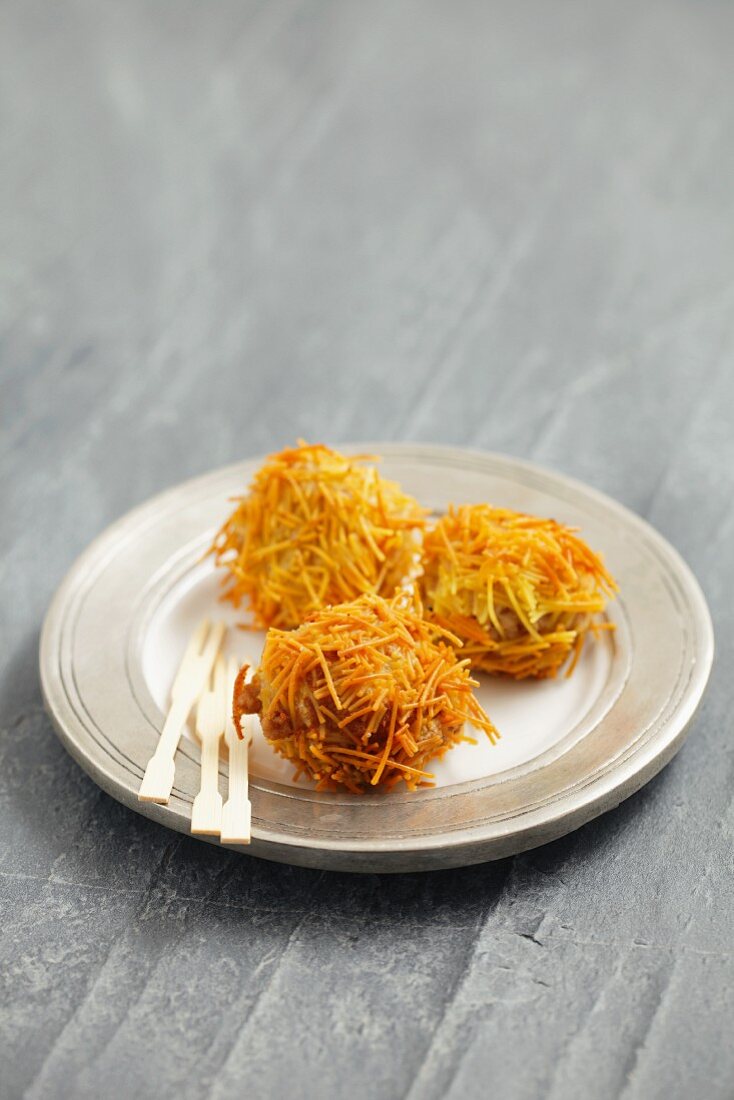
pixel 98 699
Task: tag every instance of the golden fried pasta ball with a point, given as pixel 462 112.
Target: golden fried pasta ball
pixel 521 592
pixel 362 694
pixel 317 528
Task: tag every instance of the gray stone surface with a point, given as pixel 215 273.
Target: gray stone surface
pixel 225 225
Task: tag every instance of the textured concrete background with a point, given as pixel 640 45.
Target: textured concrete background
pixel 227 224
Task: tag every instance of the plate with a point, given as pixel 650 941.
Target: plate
pixel 570 748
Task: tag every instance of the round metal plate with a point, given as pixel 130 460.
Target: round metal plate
pixel 94 684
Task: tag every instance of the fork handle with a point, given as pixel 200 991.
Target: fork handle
pixel 237 812
pixel 206 813
pixel 171 733
pixel 210 763
pixel 159 774
pixel 238 779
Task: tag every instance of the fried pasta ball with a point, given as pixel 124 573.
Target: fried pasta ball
pixel 521 592
pixel 361 695
pixel 317 528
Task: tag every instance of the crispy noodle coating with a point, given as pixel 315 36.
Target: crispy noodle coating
pixel 521 592
pixel 361 695
pixel 317 528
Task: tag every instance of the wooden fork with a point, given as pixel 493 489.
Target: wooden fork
pixel 211 719
pixel 237 812
pixel 190 681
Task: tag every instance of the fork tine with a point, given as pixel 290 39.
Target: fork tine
pixel 232 670
pixel 196 642
pixel 192 651
pixel 220 677
pixel 213 642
